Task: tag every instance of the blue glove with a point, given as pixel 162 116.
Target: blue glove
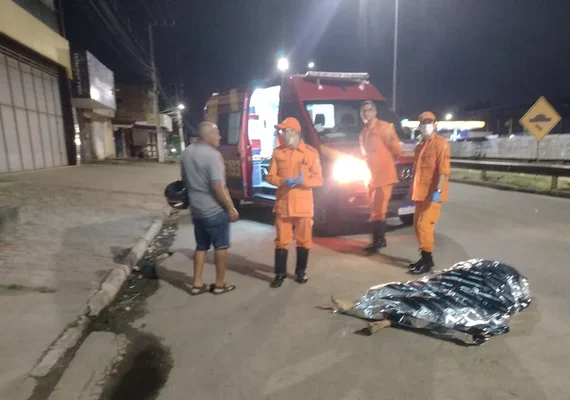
pixel 290 182
pixel 436 196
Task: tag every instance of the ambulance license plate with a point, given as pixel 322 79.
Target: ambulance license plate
pixel 406 210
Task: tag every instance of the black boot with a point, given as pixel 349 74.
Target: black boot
pixel 280 267
pixel 424 264
pixel 301 268
pixel 378 237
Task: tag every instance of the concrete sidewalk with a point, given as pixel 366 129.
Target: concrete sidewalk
pixel 76 224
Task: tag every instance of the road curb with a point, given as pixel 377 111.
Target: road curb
pixel 99 300
pixel 507 188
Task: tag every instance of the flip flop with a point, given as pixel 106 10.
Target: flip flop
pixel 195 291
pixel 217 290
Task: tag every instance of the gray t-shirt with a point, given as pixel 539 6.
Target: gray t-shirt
pixel 202 164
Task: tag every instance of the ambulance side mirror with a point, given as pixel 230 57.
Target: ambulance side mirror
pixel 416 135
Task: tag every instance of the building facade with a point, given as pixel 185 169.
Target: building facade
pixel 36 118
pixel 134 125
pixel 94 100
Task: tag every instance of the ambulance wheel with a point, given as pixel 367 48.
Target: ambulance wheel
pixel 407 220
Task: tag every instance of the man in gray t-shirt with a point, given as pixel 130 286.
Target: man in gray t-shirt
pixel 203 173
pixel 201 165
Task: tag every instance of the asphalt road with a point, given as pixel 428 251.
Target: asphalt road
pixel 262 343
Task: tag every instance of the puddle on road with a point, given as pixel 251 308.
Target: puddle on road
pixel 147 363
pixel 146 375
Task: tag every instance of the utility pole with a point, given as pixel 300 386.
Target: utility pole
pixel 181 129
pixel 159 139
pixel 180 119
pixel 395 68
pixel 363 32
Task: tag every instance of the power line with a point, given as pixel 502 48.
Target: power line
pixel 121 40
pixel 131 44
pixel 169 9
pixel 113 42
pixel 158 13
pixel 159 10
pixel 118 25
pixel 118 32
pixel 150 14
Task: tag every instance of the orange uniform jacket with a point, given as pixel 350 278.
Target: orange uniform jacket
pixel 288 162
pixel 381 146
pixel 432 160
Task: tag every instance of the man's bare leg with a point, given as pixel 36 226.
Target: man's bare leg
pixel 341 306
pixel 344 306
pixel 374 327
pixel 221 260
pixel 199 260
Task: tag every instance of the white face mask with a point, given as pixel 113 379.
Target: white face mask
pixel 426 129
pixel 290 138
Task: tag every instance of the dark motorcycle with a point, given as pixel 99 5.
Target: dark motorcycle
pixel 176 195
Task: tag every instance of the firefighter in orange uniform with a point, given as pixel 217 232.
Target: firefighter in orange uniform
pixel 430 188
pixel 381 147
pixel 295 169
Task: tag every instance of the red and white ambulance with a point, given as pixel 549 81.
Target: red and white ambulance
pixel 327 104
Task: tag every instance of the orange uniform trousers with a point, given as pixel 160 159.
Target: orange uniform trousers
pixel 379 198
pixel 425 218
pixel 301 227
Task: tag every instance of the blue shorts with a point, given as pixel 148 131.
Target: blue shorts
pixel 212 230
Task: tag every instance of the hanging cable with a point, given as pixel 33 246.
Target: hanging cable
pixel 142 68
pixel 159 10
pixel 169 9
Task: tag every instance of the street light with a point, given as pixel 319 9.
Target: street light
pixel 449 117
pixel 282 64
pixel 181 106
pixel 311 65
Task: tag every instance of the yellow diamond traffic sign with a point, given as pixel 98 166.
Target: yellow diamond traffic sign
pixel 540 119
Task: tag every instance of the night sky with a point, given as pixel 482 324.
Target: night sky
pixel 452 53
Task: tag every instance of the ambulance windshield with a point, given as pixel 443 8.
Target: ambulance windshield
pixel 339 120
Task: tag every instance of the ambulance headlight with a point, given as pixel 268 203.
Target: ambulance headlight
pixel 351 169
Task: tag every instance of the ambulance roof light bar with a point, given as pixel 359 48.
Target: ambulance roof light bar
pixel 361 76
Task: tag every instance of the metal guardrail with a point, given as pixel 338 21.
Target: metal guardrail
pixel 513 160
pixel 553 148
pixel 553 170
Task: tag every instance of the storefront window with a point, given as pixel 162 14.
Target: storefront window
pixel 44 10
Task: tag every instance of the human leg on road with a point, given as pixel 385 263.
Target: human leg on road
pixel 203 242
pixel 346 306
pixel 304 240
pixel 219 231
pixel 342 306
pixel 424 225
pixel 214 230
pixel 221 260
pixel 379 198
pixel 284 235
pixel 198 286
